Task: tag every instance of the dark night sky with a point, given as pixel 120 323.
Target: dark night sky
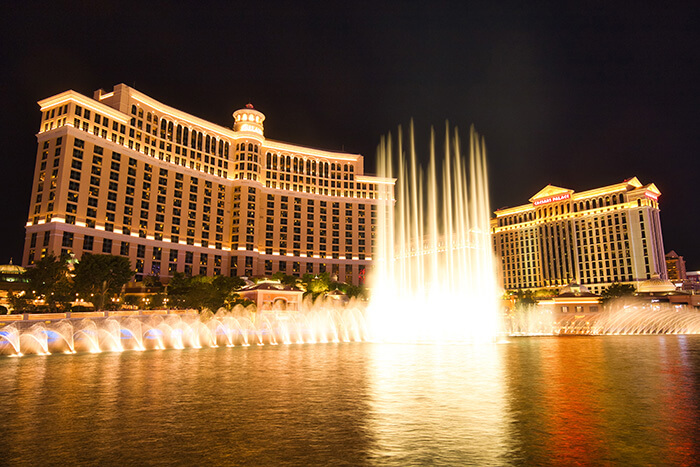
pixel 577 97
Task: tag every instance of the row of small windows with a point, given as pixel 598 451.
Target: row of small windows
pixel 200 141
pixel 313 168
pixel 182 135
pixel 561 208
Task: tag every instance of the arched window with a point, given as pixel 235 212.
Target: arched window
pixel 178 134
pixel 199 141
pixel 207 143
pixel 194 139
pixel 250 147
pixel 133 109
pixel 170 131
pixel 185 136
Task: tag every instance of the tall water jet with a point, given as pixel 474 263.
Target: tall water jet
pixel 434 275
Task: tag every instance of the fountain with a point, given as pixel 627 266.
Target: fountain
pixel 433 281
pixel 434 275
pixel 619 318
pixel 319 322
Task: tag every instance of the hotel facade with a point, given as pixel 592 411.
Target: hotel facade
pixel 124 174
pixel 596 238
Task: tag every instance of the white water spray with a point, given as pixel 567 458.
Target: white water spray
pixel 434 275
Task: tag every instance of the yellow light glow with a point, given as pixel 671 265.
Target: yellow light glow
pixel 72 96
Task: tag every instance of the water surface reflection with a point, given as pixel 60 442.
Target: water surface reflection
pixel 556 401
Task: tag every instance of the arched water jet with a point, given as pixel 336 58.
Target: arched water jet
pixel 10 335
pixel 319 321
pixel 36 339
pixel 86 336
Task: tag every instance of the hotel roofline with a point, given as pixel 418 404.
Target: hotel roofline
pixel 567 194
pixel 104 102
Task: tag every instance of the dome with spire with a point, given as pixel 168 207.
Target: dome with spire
pixel 12 273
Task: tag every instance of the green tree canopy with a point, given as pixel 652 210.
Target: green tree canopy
pixel 316 285
pixel 285 278
pixel 101 276
pixel 49 279
pixel 204 291
pixel 524 298
pixel 617 290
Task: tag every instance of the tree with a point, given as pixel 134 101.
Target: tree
pixel 101 276
pixel 358 291
pixel 226 288
pixel 285 278
pixel 178 290
pixel 524 298
pixel 203 291
pixel 617 290
pixel 152 281
pixel 316 285
pixel 19 302
pixel 49 280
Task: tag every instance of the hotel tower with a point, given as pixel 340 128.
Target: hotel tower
pixel 124 174
pixel 596 238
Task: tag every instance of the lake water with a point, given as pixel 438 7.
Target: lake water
pixel 532 401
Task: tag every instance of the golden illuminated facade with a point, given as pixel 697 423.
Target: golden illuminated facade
pixel 124 174
pixel 596 238
pixel 675 265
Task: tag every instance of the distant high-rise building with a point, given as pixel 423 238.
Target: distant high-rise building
pixel 596 238
pixel 675 265
pixel 124 174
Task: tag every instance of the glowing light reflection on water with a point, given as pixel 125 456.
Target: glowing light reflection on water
pixel 626 400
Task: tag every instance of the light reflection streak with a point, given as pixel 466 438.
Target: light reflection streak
pixel 429 406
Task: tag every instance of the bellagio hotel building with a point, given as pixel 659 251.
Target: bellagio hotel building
pixel 597 237
pixel 124 174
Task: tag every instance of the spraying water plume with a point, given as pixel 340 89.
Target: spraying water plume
pixel 434 275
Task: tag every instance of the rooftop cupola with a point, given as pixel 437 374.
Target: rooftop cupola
pixel 248 120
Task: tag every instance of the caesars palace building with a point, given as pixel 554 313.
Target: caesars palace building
pixel 123 174
pixel 596 238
